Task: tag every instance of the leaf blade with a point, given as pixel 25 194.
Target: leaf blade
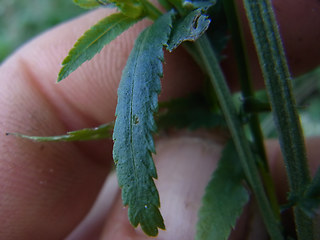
pixel 189 28
pixel 94 40
pixel 224 198
pixel 103 131
pixel 137 101
pixel 87 4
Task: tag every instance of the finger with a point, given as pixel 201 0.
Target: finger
pixel 92 225
pixel 184 165
pixel 58 105
pixel 91 91
pixel 45 189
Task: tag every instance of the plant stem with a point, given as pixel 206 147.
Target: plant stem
pixel 277 78
pixel 248 92
pixel 245 155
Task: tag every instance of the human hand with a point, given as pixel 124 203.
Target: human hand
pixel 46 189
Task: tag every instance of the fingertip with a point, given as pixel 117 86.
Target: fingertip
pixel 184 163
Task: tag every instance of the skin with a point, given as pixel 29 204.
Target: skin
pixel 47 189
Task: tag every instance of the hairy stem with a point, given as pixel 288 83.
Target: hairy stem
pixel 248 93
pixel 274 66
pixel 245 155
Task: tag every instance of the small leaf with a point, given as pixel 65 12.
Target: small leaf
pixel 87 4
pixel 133 143
pixel 102 132
pixel 224 198
pixel 130 8
pixel 189 28
pixel 94 40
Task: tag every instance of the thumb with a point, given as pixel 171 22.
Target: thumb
pixel 46 189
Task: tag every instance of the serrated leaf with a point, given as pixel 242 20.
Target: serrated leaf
pixel 104 131
pixel 133 143
pixel 87 4
pixel 224 198
pixel 189 28
pixel 94 40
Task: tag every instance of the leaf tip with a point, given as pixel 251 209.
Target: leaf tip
pixel 62 75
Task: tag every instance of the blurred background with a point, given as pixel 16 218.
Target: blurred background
pixel 22 20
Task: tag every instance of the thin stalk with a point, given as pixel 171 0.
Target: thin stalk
pixel 245 155
pixel 274 66
pixel 248 92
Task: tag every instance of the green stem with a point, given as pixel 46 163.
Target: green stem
pixel 277 78
pixel 246 157
pixel 248 93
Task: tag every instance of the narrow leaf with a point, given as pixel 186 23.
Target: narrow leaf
pixel 224 198
pixel 87 4
pixel 102 132
pixel 94 40
pixel 133 143
pixel 189 28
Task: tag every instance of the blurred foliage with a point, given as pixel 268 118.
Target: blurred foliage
pixel 21 20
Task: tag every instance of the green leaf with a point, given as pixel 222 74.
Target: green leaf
pixel 133 143
pixel 104 131
pixel 224 198
pixel 189 28
pixel 94 40
pixel 87 4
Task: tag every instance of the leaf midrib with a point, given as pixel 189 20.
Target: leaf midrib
pixel 99 37
pixel 131 107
